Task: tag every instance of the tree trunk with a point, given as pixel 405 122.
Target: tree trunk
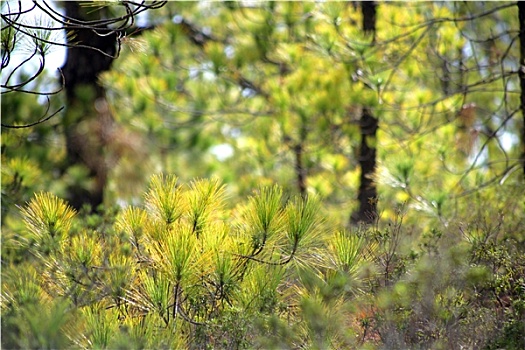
pixel 367 194
pixel 521 16
pixel 368 10
pixel 300 170
pixel 88 121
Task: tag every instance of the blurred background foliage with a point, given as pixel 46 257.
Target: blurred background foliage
pixel 259 241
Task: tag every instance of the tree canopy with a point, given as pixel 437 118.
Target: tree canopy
pixel 263 174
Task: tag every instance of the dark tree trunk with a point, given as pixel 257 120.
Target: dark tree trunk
pixel 368 124
pixel 88 120
pixel 368 9
pixel 521 16
pixel 300 170
pixel 84 64
pixel 367 195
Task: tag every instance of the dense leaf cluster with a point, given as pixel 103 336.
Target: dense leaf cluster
pixel 189 270
pixel 347 176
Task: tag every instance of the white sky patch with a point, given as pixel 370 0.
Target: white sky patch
pixel 509 140
pixel 222 151
pixel 54 58
pixel 229 51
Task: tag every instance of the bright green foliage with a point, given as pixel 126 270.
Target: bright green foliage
pixel 47 216
pixel 183 263
pixel 29 156
pixel 188 270
pixel 240 99
pixel 281 89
